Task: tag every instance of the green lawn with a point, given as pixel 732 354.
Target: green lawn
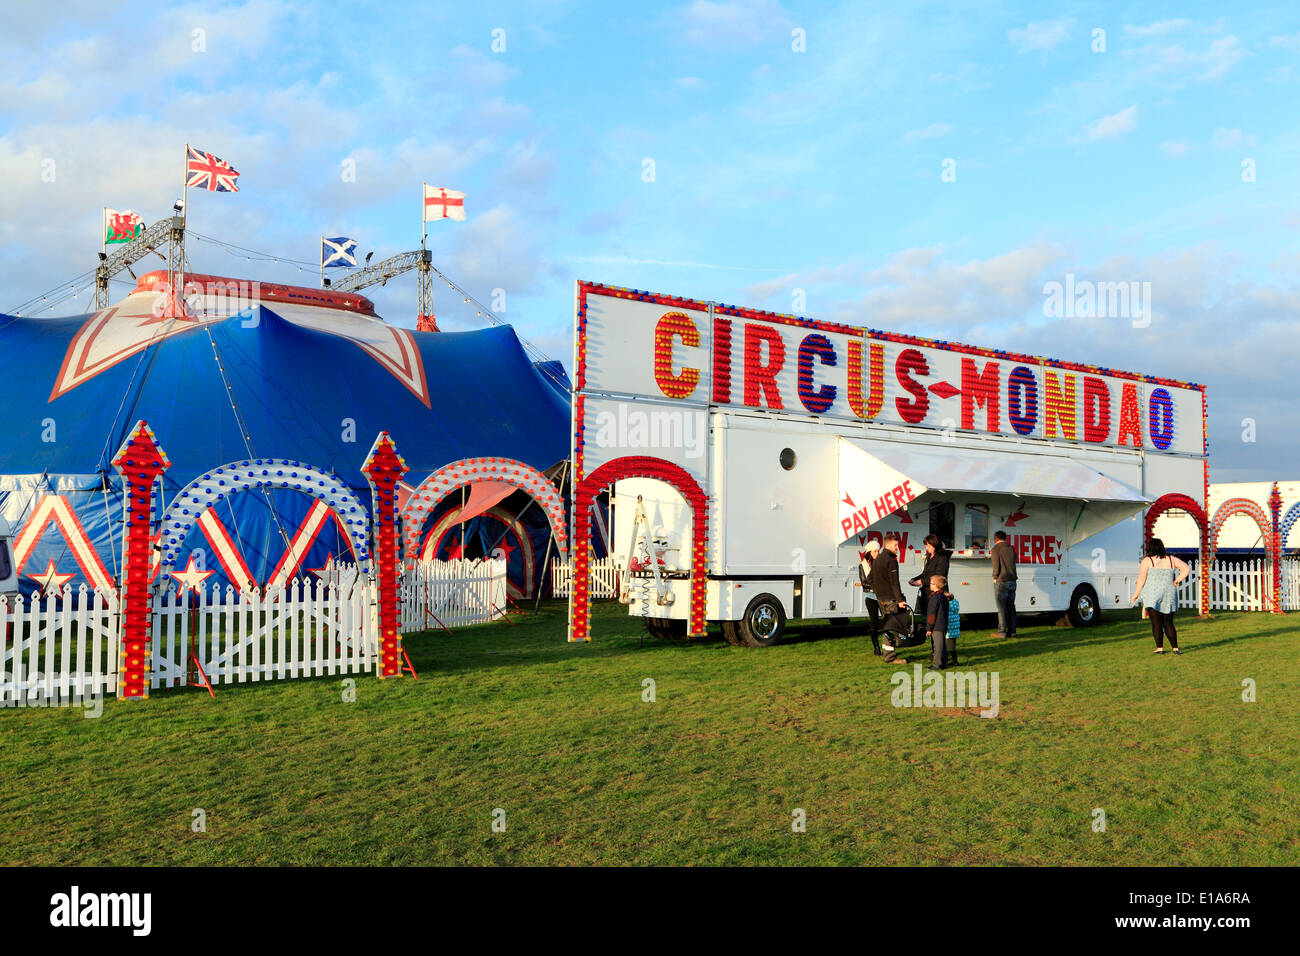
pixel 556 735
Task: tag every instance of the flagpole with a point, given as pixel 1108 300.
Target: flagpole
pixel 185 219
pixel 322 262
pixel 103 230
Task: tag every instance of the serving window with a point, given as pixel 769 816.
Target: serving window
pixel 942 521
pixel 975 527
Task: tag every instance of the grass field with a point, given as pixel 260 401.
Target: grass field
pixel 558 736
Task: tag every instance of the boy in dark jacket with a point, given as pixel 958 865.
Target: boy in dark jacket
pixel 936 620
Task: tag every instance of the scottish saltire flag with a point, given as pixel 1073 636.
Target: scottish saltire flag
pixel 205 171
pixel 337 252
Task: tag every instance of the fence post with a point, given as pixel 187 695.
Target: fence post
pixel 1275 546
pixel 140 461
pixel 384 467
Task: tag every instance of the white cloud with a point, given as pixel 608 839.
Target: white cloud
pixel 730 23
pixel 1176 148
pixel 688 83
pixel 1158 29
pixel 932 131
pixel 1176 65
pixel 1231 138
pixel 1041 35
pixel 965 79
pixel 1113 125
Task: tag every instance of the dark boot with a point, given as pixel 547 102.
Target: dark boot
pixel 950 646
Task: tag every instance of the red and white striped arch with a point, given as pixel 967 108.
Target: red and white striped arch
pixel 468 471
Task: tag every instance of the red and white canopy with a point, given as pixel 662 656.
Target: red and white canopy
pixel 877 478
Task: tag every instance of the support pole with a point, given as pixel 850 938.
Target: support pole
pixel 384 467
pixel 141 462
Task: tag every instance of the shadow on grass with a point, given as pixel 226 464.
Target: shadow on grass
pixel 538 639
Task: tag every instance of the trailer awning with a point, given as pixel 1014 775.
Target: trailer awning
pixel 876 478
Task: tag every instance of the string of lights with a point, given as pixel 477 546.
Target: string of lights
pixel 70 289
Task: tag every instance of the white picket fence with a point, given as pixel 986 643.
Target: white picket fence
pixel 58 650
pixel 604 575
pixel 303 629
pixel 1243 585
pixel 452 593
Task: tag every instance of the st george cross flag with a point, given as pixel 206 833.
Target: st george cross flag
pixel 337 252
pixel 205 171
pixel 121 226
pixel 442 203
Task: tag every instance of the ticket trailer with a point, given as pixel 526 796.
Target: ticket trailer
pixel 753 455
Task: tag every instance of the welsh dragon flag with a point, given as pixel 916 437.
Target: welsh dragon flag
pixel 121 226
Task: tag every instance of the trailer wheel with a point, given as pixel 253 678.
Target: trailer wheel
pixel 763 623
pixel 731 631
pixel 1085 609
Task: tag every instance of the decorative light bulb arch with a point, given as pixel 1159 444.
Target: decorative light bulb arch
pixel 1288 522
pixel 1192 507
pixel 202 493
pixel 1244 506
pixel 509 524
pixel 465 472
pixel 637 466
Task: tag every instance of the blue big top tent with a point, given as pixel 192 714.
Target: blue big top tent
pixel 310 378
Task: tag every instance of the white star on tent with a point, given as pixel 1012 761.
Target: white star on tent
pixel 191 577
pixel 327 572
pixel 50 580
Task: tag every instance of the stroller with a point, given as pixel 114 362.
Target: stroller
pixel 897 635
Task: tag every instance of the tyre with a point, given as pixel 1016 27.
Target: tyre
pixel 731 631
pixel 763 623
pixel 665 629
pixel 1084 609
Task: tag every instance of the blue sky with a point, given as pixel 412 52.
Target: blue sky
pixel 775 169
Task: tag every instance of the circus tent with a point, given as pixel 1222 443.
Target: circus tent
pixel 253 372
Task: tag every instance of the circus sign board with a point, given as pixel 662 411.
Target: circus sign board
pixel 682 353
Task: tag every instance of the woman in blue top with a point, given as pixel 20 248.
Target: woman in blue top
pixel 1159 575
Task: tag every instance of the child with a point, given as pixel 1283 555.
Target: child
pixel 936 619
pixel 954 627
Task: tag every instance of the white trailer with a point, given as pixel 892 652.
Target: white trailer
pixel 806 439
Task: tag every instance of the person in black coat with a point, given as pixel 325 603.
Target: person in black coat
pixel 893 606
pixel 936 562
pixel 869 601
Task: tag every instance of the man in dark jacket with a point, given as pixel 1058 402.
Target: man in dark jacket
pixel 1004 584
pixel 893 607
pixel 936 562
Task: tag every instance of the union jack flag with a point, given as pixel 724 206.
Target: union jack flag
pixel 206 171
